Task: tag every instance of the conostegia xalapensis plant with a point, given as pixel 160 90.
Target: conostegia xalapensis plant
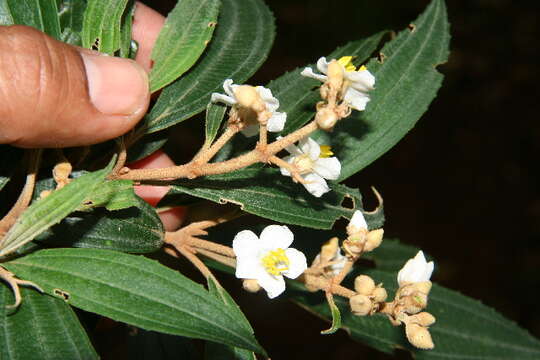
pixel 276 152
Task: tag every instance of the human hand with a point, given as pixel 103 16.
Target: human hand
pixel 54 94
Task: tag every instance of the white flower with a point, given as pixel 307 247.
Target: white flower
pixel 268 258
pixel 360 81
pixel 416 269
pixel 313 162
pixel 275 123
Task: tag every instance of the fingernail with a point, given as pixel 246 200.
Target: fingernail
pixel 117 86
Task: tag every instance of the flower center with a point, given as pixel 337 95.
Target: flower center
pixel 303 163
pixel 346 62
pixel 276 262
pixel 326 151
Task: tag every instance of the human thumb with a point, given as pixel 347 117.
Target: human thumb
pixel 55 95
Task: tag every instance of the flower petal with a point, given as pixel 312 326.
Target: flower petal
pixel 217 97
pixel 297 263
pixel 316 185
pixel 229 87
pixel 308 72
pixel 322 65
pixel 272 103
pixel 284 171
pixel 416 269
pixel 356 99
pixel 310 147
pixel 276 122
pixel 274 285
pixel 361 80
pixel 328 168
pixel 246 243
pixel 358 220
pixel 276 236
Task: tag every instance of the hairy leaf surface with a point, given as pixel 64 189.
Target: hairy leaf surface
pixel 186 33
pixel 42 326
pixel 135 290
pixel 240 44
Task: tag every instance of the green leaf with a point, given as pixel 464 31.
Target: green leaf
pixel 135 230
pixel 406 82
pixel 40 14
pixel 134 290
pixel 48 211
pixel 213 351
pixel 214 116
pixel 71 21
pixel 296 93
pixel 266 193
pixel 102 24
pixel 42 326
pixel 125 31
pixel 113 195
pixel 241 42
pixel 336 317
pixel 186 33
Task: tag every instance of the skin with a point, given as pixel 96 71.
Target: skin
pixel 46 97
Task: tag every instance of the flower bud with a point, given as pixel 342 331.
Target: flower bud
pixel 361 305
pixel 335 74
pixel 423 318
pixel 248 97
pixel 379 294
pixel 419 336
pixel 423 287
pixel 329 249
pixel 415 303
pixel 326 119
pixel 251 285
pixel 373 239
pixel 364 285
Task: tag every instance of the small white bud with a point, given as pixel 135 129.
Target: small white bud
pixel 364 285
pixel 361 305
pixel 419 336
pixel 379 294
pixel 373 239
pixel 251 285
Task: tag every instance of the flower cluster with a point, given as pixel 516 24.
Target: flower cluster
pixel 249 101
pixel 315 163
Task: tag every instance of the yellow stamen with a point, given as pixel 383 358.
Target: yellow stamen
pixel 326 151
pixel 346 62
pixel 362 68
pixel 276 262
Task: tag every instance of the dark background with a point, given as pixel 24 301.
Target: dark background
pixel 462 185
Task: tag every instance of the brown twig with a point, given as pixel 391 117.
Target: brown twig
pixel 193 169
pixel 26 194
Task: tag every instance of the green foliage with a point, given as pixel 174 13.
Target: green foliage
pixel 42 326
pixel 134 230
pixel 102 25
pixel 186 33
pixel 48 211
pixel 407 82
pixel 135 290
pixel 241 42
pixel 214 117
pixel 40 14
pixel 268 194
pixel 71 20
